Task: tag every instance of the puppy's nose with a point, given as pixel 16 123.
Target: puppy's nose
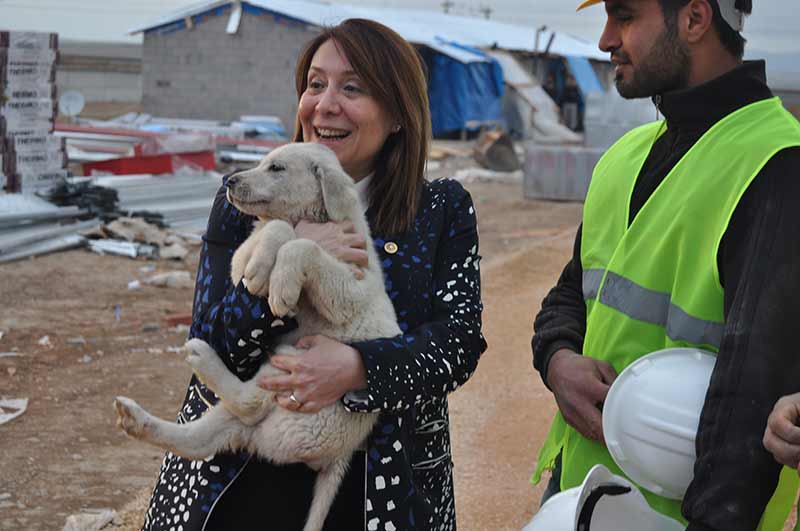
pixel 232 180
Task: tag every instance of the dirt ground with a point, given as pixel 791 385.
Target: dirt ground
pixel 65 454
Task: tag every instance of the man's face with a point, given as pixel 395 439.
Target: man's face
pixel 648 54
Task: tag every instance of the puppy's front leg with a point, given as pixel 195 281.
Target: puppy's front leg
pixel 289 274
pixel 332 286
pixel 242 256
pixel 274 235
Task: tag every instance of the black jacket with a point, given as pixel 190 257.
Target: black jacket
pixel 758 362
pixel 433 280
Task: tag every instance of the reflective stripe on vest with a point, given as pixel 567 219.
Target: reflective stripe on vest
pixel 652 307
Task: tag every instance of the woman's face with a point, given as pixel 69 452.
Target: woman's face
pixel 336 110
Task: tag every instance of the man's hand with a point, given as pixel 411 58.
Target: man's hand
pixel 782 436
pixel 340 240
pixel 580 385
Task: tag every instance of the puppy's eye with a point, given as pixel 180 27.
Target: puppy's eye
pixel 276 167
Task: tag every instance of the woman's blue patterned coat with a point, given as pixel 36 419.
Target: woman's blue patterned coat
pixel 433 280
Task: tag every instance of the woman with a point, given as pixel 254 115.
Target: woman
pixel 362 93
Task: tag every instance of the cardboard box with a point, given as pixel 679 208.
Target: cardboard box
pixel 16 56
pixel 34 162
pixel 28 143
pixel 30 182
pixel 19 110
pixel 10 129
pixel 18 73
pixel 28 91
pixel 28 40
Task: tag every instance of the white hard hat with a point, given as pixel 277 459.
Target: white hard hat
pixel 727 8
pixel 651 414
pixel 604 502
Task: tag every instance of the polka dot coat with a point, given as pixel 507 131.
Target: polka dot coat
pixel 432 275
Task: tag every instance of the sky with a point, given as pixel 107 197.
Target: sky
pixel 772 28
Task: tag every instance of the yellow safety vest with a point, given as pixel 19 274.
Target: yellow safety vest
pixel 654 284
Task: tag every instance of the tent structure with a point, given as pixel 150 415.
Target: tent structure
pixel 464 95
pixel 466 85
pixel 431 28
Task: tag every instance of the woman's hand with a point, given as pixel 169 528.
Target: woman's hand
pixel 317 377
pixel 782 436
pixel 340 240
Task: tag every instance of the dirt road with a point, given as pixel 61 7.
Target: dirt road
pixel 64 454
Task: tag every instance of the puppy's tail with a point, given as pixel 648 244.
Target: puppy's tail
pixel 327 485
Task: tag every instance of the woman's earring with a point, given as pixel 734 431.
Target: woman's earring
pixel 396 128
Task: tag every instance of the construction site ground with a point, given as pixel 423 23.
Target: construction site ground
pixel 65 454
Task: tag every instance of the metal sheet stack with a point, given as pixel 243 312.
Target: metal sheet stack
pixel 31 157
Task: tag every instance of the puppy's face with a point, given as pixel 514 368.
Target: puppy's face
pixel 283 186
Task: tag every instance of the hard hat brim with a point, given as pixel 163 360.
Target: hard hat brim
pixel 588 3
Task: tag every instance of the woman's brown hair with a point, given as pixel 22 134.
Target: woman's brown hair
pixel 394 75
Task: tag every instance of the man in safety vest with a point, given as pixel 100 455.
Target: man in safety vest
pixel 689 239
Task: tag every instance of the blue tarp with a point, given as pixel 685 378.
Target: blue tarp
pixel 464 92
pixel 584 75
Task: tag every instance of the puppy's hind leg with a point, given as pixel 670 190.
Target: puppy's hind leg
pixel 326 486
pixel 216 430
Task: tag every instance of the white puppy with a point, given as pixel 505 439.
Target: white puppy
pixel 295 182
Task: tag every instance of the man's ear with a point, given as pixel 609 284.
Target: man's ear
pixel 338 194
pixel 697 18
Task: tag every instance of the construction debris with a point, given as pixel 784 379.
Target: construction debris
pixel 470 175
pixel 11 408
pixel 495 150
pixel 136 237
pixel 171 279
pixel 90 520
pixel 123 248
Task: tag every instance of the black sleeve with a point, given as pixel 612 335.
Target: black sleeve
pixel 238 325
pixel 561 322
pixel 758 362
pixel 440 355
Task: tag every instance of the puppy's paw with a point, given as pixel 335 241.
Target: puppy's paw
pixel 256 275
pixel 284 293
pixel 131 417
pixel 203 360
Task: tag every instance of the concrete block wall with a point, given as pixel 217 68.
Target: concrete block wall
pixel 102 86
pixel 205 73
pixel 558 172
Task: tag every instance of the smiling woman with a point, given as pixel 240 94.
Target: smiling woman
pixel 362 92
pixel 336 110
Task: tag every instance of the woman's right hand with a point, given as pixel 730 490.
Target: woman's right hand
pixel 782 436
pixel 340 240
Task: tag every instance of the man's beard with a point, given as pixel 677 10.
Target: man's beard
pixel 665 68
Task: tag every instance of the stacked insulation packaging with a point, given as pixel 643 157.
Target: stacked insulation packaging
pixel 31 157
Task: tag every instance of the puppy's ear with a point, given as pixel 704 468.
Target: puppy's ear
pixel 338 193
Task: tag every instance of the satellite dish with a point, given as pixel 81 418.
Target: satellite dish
pixel 71 103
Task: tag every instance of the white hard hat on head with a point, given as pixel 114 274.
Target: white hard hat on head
pixel 604 502
pixel 727 8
